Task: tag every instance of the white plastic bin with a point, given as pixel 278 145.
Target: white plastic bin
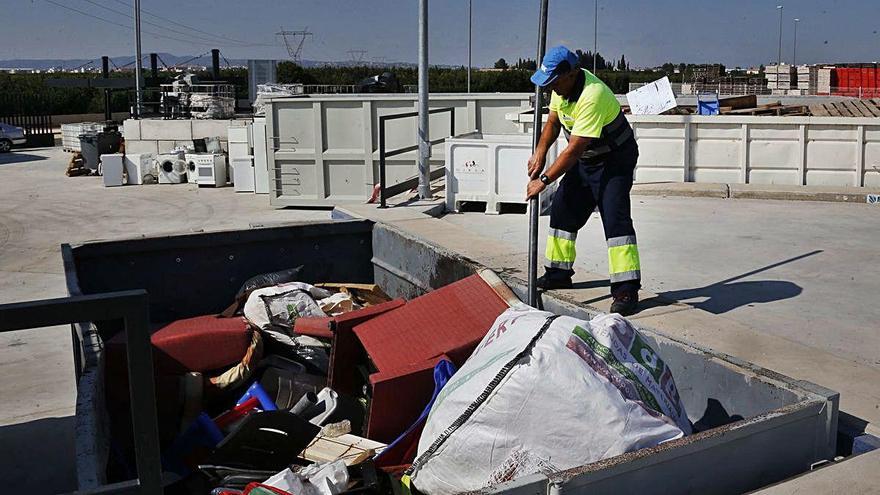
pixel 491 168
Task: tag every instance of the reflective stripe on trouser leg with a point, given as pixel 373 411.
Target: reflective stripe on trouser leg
pixel 561 250
pixel 623 259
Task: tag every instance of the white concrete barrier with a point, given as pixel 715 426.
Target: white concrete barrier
pixel 823 151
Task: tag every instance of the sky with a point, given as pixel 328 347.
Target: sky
pixel 649 33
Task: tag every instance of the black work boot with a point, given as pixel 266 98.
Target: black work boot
pixel 555 278
pixel 625 303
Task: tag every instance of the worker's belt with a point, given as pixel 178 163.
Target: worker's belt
pixel 623 259
pixel 614 135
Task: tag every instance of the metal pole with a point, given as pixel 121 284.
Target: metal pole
pixel 794 54
pixel 779 55
pixel 424 139
pixel 215 64
pixel 534 205
pixel 595 35
pixel 138 66
pixel 470 26
pixel 105 73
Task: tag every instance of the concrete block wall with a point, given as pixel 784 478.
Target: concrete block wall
pixel 160 136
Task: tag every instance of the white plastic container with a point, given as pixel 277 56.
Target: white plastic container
pixel 112 166
pixel 491 168
pixel 138 166
pixel 242 173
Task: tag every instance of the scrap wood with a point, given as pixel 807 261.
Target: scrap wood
pixel 363 294
pixel 739 102
pixel 853 109
pixel 868 108
pixel 348 448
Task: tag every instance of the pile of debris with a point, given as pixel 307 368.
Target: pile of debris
pixel 330 388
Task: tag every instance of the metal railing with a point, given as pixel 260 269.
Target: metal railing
pixel 386 192
pixel 132 308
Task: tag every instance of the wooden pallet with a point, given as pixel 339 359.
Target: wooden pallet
pixel 847 108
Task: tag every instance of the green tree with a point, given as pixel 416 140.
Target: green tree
pixel 501 64
pixel 289 73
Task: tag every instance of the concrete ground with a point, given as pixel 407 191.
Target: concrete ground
pixel 41 208
pixel 804 271
pixel 787 285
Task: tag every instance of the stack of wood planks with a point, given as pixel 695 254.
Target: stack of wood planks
pixel 847 108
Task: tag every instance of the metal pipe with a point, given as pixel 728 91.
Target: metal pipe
pixel 779 55
pixel 424 136
pixel 534 205
pixel 470 26
pixel 595 34
pixel 138 65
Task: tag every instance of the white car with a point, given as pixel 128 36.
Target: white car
pixel 10 135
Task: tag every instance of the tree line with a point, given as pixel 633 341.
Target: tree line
pixel 512 77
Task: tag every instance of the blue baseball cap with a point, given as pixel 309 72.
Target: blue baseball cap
pixel 550 68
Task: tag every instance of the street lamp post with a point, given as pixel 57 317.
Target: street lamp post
pixel 779 54
pixel 138 67
pixel 595 34
pixel 470 24
pixel 794 54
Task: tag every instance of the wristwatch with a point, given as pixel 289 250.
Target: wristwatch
pixel 546 180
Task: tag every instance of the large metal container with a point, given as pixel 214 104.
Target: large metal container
pixel 324 150
pixel 762 427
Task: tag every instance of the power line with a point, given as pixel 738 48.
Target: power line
pixel 193 36
pixel 294 49
pixel 172 21
pixel 108 21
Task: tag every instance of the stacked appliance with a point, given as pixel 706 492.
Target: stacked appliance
pixel 206 169
pixel 172 167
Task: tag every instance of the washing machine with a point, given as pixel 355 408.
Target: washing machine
pixel 140 168
pixel 172 168
pixel 206 169
pixel 111 168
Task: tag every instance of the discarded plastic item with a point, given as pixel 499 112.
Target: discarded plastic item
pixel 564 393
pixel 402 451
pixel 201 434
pixel 266 440
pixel 348 448
pixel 286 381
pixel 318 479
pixel 281 305
pixel 212 145
pixel 337 304
pixel 269 279
pixel 237 413
pixel 256 391
pixel 334 430
pixel 229 478
pixel 261 489
pixel 316 408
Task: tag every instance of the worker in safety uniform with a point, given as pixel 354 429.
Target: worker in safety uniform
pixel 596 169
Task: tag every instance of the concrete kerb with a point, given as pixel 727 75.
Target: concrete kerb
pixel 841 194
